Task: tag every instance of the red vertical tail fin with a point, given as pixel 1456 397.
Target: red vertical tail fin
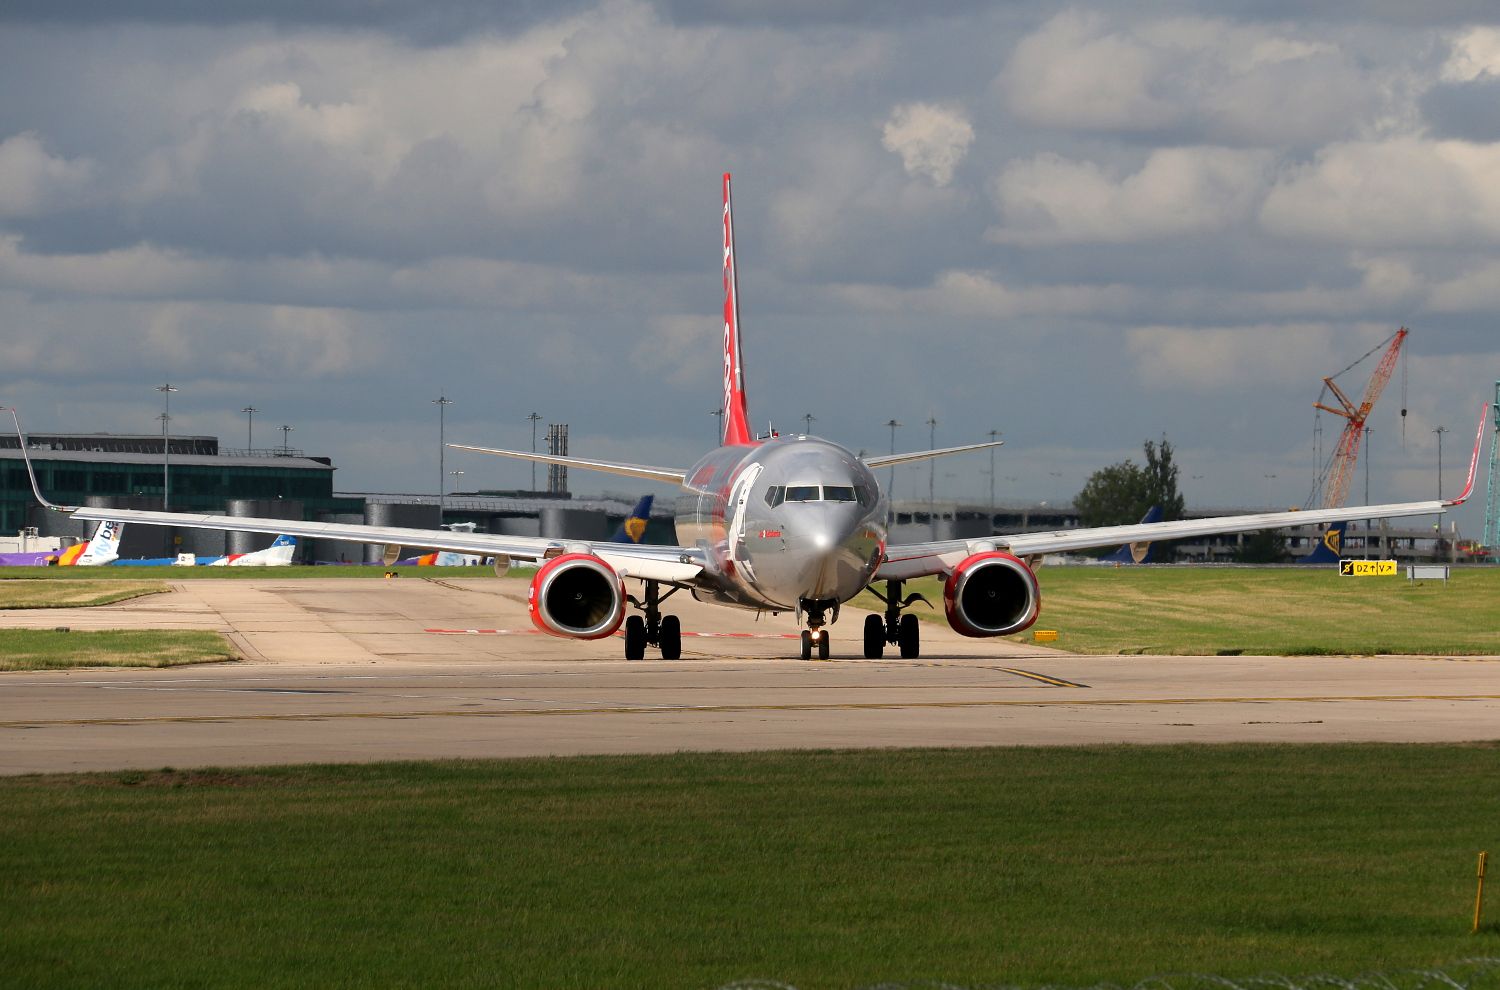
pixel 736 418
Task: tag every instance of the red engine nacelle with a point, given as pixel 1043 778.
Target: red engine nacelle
pixel 578 596
pixel 991 594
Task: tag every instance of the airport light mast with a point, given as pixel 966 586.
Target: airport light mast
pixel 166 391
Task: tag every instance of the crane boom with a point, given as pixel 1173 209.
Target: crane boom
pixel 1346 453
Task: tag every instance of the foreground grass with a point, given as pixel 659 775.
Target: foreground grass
pixel 831 869
pixel 1274 611
pixel 30 592
pixel 50 649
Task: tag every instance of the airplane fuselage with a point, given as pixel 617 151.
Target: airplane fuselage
pixel 783 522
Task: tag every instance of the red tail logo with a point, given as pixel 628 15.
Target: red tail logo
pixel 736 419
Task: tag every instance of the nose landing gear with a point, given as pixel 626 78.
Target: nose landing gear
pixel 900 630
pixel 815 636
pixel 653 629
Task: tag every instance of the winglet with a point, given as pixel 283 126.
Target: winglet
pixel 1484 412
pixel 736 416
pixel 36 489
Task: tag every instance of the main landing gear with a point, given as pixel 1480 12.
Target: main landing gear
pixel 815 636
pixel 653 629
pixel 895 628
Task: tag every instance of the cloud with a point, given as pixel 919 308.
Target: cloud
pixel 34 181
pixel 1218 80
pixel 1473 54
pixel 930 139
pixel 1404 191
pixel 1178 191
pixel 1243 358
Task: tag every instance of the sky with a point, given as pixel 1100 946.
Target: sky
pixel 1081 226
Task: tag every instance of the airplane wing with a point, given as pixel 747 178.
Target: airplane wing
pixel 673 565
pixel 941 557
pixel 672 476
pixel 887 460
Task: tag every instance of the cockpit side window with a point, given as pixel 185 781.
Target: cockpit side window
pixel 838 493
pixel 864 496
pixel 775 495
pixel 802 493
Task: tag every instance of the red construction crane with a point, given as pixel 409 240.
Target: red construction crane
pixel 1341 466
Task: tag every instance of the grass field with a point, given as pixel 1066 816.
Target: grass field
pixel 51 649
pixel 1275 611
pixel 28 592
pixel 822 869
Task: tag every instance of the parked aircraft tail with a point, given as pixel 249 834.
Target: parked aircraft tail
pixel 103 548
pixel 1137 553
pixel 634 526
pixel 1330 548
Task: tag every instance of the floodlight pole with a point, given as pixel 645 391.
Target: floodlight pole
pixel 932 476
pixel 1440 431
pixel 442 402
pixel 891 484
pixel 166 391
pixel 249 412
pixel 535 418
pixel 994 434
pixel 286 446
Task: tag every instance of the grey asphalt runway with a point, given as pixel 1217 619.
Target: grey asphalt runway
pixel 361 670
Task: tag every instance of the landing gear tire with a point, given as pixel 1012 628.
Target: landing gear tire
pixel 671 638
pixel 874 637
pixel 635 638
pixel 806 645
pixel 823 639
pixel 910 638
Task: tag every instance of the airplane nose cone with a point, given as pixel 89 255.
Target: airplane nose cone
pixel 828 551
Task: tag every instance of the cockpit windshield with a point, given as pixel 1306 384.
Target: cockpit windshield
pixel 777 494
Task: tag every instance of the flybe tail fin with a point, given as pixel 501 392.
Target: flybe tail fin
pixel 736 415
pixel 105 545
pixel 1330 548
pixel 634 526
pixel 1137 553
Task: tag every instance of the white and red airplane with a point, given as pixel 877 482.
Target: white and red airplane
pixel 776 524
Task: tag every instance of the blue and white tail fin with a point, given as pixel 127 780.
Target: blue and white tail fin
pixel 104 548
pixel 1137 553
pixel 633 529
pixel 1330 548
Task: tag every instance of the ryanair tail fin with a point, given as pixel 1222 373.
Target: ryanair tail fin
pixel 1330 548
pixel 736 415
pixel 1137 553
pixel 633 529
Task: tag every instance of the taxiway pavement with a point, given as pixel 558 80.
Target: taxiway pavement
pixel 361 670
